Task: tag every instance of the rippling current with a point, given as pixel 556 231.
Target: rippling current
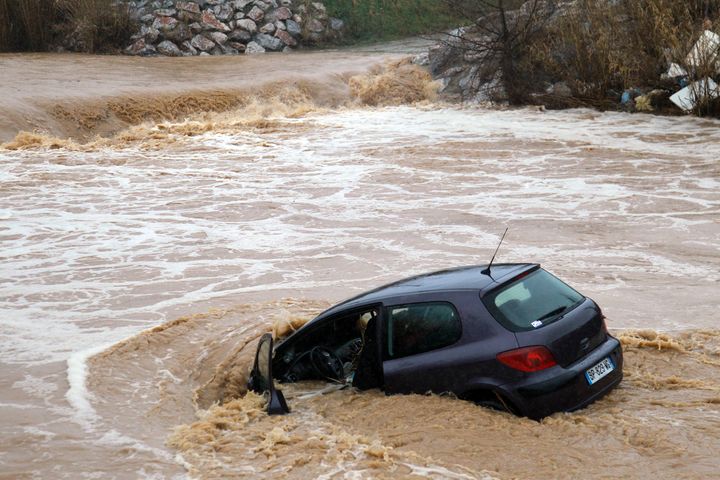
pixel 229 230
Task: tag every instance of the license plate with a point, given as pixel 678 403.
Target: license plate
pixel 599 371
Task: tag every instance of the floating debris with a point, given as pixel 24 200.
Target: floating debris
pixel 690 96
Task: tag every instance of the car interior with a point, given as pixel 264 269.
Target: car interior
pixel 331 351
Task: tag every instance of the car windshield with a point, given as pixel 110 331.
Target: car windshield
pixel 532 301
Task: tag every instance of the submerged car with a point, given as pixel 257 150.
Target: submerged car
pixel 508 336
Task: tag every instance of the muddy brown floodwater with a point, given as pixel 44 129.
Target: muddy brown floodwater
pixel 159 215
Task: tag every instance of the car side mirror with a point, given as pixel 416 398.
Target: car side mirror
pixel 261 380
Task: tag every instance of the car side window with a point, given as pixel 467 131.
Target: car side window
pixel 421 327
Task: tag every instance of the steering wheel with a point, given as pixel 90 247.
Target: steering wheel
pixel 326 363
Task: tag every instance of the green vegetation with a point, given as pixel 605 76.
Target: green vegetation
pixel 383 19
pixel 84 25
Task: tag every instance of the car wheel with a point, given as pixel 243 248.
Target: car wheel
pixel 493 400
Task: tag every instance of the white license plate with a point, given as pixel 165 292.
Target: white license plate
pixel 599 371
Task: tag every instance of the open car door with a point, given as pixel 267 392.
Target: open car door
pixel 369 373
pixel 261 379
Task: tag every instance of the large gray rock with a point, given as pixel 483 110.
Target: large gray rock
pixel 240 35
pixel 264 6
pixel 218 37
pixel 189 49
pixel 247 25
pixel 224 12
pixel 229 50
pixel 168 48
pixel 165 24
pixel 445 56
pixel 188 17
pixel 268 28
pixel 240 47
pixel 422 59
pixel 150 34
pixel 179 34
pixel 202 43
pixel 241 4
pixel 268 42
pixel 165 12
pixel 282 13
pixel 191 7
pixel 255 14
pixel 253 48
pixel 293 28
pixel 210 22
pixel 191 27
pixel 137 47
pixel 286 38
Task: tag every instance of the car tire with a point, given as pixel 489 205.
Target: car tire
pixel 493 400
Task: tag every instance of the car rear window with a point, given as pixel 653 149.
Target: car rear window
pixel 531 301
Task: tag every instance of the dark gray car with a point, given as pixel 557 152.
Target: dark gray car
pixel 513 337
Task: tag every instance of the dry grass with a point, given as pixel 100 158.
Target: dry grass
pixel 82 25
pixel 23 24
pixel 599 48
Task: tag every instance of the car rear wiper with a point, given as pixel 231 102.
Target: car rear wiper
pixel 552 313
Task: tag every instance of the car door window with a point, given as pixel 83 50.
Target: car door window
pixel 421 327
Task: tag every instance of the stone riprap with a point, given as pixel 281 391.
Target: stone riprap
pixel 229 27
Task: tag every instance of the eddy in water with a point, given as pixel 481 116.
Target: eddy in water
pixel 511 336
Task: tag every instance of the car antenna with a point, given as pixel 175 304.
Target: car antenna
pixel 487 270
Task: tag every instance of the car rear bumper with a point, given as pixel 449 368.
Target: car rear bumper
pixel 566 388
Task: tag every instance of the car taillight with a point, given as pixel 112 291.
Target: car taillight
pixel 528 359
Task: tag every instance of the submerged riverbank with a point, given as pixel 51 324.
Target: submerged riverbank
pixel 84 96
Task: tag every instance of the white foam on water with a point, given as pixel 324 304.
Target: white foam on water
pixel 77 394
pixel 39 432
pixel 118 238
pixel 19 406
pixel 35 386
pixel 116 439
pixel 109 243
pixel 441 472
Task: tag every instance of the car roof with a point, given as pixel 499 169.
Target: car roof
pixel 449 280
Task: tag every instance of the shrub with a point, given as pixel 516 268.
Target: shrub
pixel 378 19
pixel 81 25
pixel 97 25
pixel 23 24
pixel 601 46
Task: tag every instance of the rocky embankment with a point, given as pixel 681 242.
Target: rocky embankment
pixel 550 66
pixel 229 27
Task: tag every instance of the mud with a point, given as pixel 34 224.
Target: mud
pixel 249 211
pixel 660 421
